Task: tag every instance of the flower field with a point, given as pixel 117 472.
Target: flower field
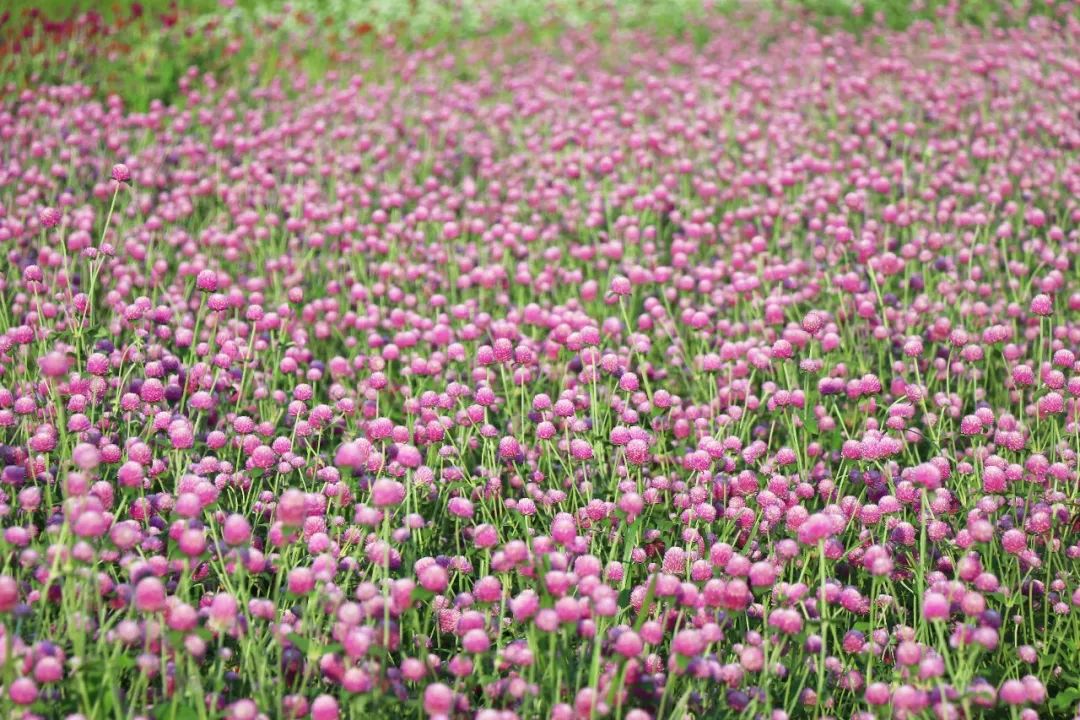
pixel 661 364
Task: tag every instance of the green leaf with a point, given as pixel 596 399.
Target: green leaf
pixel 300 642
pixel 1065 699
pixel 419 594
pixel 124 662
pixel 186 712
pixel 175 709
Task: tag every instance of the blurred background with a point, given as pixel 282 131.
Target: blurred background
pixel 140 50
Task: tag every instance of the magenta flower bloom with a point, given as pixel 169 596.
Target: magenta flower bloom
pixel 815 528
pixel 49 217
pixel 150 595
pixel 926 475
pixel 620 285
pixel 509 448
pixel 628 644
pixel 438 700
pixel 292 507
pixel 23 691
pixel 324 707
pixel 687 643
pixel 433 578
pixel 121 173
pixel 386 493
pixel 1042 305
pixel 207 281
pixel 1013 692
pixel 1014 541
pixel 9 593
pixel 935 606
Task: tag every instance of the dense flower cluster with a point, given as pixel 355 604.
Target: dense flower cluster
pixel 533 381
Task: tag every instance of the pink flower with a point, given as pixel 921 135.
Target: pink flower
pixel 433 578
pixel 236 530
pixel 476 641
pixel 815 528
pixel 292 508
pixel 637 451
pixel 49 217
pixel 23 691
pixel 687 643
pixel 935 606
pixel 926 475
pixel 1014 541
pixel 509 448
pixel 438 699
pixel 149 595
pixel 353 454
pixel 121 173
pixel 1042 305
pixel 386 492
pixel 9 593
pixel 1013 692
pixel 628 644
pixel 620 285
pixel 207 281
pixel 324 707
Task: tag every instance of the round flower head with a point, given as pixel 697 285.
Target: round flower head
pixel 207 281
pixel 386 493
pixel 23 691
pixel 687 643
pixel 438 700
pixel 149 595
pixel 476 641
pixel 121 173
pixel 236 530
pixel 54 364
pixel 349 455
pixel 927 475
pixel 815 528
pixel 620 285
pixel 935 606
pixel 292 507
pixel 509 448
pixel 9 593
pixel 1013 692
pixel 877 693
pixel 1014 541
pixel 434 578
pixel 49 217
pixel 628 644
pixel 1042 305
pixel 637 451
pixel 324 707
